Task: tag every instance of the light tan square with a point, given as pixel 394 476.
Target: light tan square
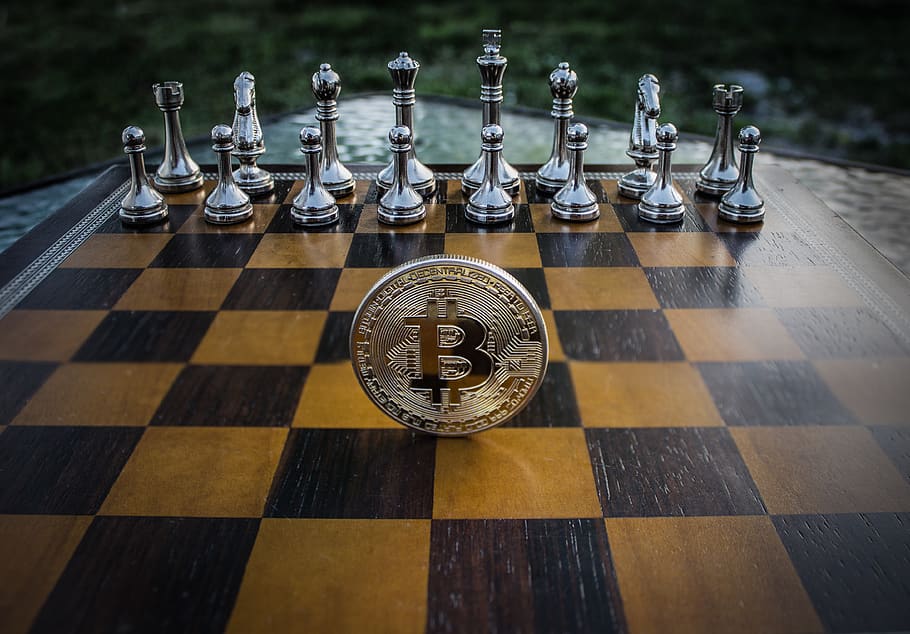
pixel 274 337
pixel 515 473
pixel 332 397
pixel 46 335
pixel 179 289
pixel 593 288
pixel 680 249
pixel 117 251
pixel 301 250
pixel 353 286
pixel 258 223
pixel 335 576
pixel 454 195
pixel 516 250
pixel 801 286
pixel 707 574
pixel 34 550
pixel 642 395
pixel 198 472
pixel 876 391
pixel 821 470
pixel 555 345
pixel 434 222
pixel 732 334
pixel 109 394
pixel 544 222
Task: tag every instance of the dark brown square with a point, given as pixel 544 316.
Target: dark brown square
pixel 391 249
pixel 20 380
pixel 702 287
pixel 283 289
pixel 628 217
pixel 617 335
pixel 80 289
pixel 672 471
pixel 554 405
pixel 334 345
pixel 199 250
pixel 766 248
pixel 586 249
pixel 176 216
pixel 535 281
pixel 348 217
pixel 146 336
pixel 824 333
pixel 457 222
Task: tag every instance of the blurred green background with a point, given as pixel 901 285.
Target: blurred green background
pixel 825 77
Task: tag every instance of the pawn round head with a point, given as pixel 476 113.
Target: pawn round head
pixel 310 136
pixel 577 133
pixel 491 134
pixel 749 137
pixel 326 83
pixel 400 135
pixel 563 82
pixel 667 134
pixel 222 135
pixel 133 137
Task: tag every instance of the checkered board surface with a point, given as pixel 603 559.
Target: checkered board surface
pixel 721 442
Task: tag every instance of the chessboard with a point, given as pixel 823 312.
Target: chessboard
pixel 720 444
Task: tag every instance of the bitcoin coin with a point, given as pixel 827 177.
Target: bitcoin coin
pixel 449 345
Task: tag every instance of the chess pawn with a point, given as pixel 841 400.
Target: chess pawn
pixel 227 204
pixel 553 174
pixel 491 203
pixel 248 142
pixel 643 139
pixel 662 203
pixel 314 206
pixel 720 172
pixel 326 85
pixel 742 203
pixel 492 67
pixel 401 204
pixel 142 205
pixel 403 70
pixel 177 172
pixel 575 201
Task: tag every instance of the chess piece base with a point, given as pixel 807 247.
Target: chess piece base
pixel 315 218
pixel 254 181
pixel 575 214
pixel 636 183
pixel 144 217
pixel 487 216
pixel 179 185
pixel 715 188
pixel 741 216
pixel 661 214
pixel 401 217
pixel 228 215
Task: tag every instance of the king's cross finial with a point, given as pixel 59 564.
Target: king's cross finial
pixel 492 39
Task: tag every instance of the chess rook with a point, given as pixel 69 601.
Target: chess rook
pixel 315 205
pixel 403 70
pixel 491 203
pixel 575 201
pixel 248 142
pixel 401 204
pixel 643 139
pixel 743 203
pixel 326 85
pixel 720 172
pixel 492 67
pixel 178 172
pixel 662 203
pixel 142 205
pixel 553 174
pixel 227 203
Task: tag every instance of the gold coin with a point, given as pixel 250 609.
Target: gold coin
pixel 449 345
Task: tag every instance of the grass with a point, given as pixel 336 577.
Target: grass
pixel 827 77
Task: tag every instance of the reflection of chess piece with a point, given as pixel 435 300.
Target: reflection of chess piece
pixel 227 203
pixel 326 85
pixel 742 203
pixel 720 172
pixel 491 203
pixel 492 67
pixel 662 203
pixel 575 201
pixel 314 206
pixel 177 172
pixel 643 140
pixel 142 205
pixel 401 204
pixel 403 70
pixel 248 142
pixel 553 174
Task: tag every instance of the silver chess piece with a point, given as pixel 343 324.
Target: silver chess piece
pixel 662 203
pixel 177 172
pixel 492 67
pixel 314 206
pixel 403 70
pixel 248 142
pixel 575 201
pixel 720 172
pixel 490 203
pixel 553 174
pixel 226 204
pixel 401 204
pixel 142 205
pixel 326 85
pixel 742 203
pixel 642 140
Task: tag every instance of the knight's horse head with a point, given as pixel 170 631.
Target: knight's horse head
pixel 244 92
pixel 648 99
